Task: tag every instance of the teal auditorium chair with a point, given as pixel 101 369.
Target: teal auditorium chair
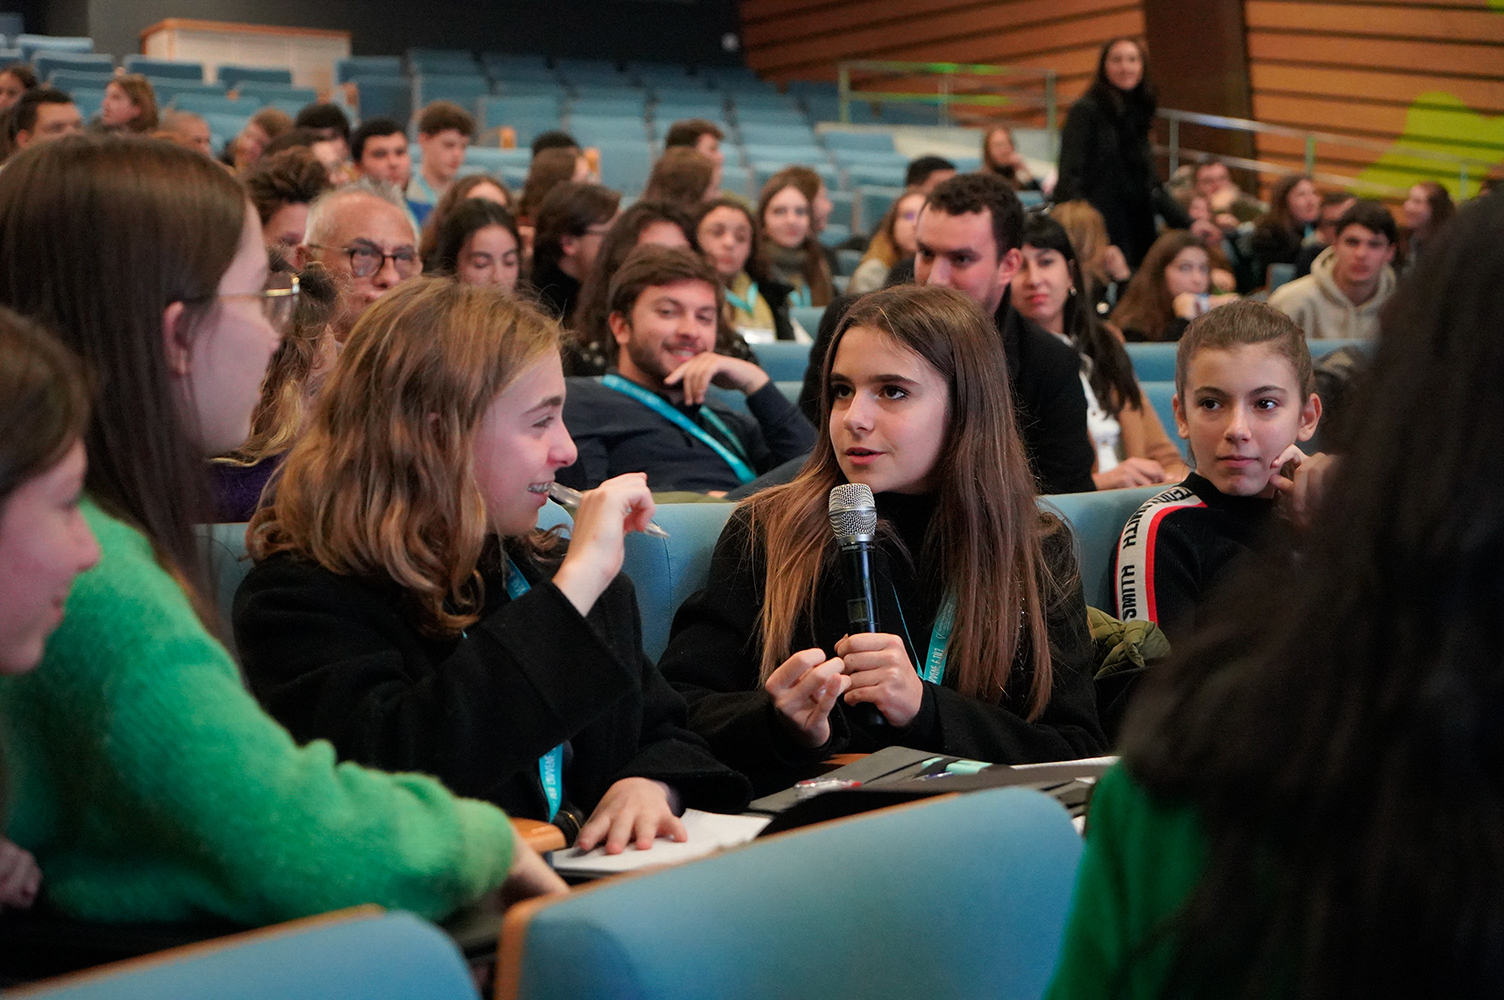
pixel 807 317
pixel 1156 362
pixel 960 896
pixel 1097 520
pixel 171 69
pixel 784 360
pixel 367 956
pixel 666 573
pixel 1161 395
pixel 234 74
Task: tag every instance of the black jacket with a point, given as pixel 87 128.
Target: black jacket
pixel 1105 158
pixel 557 292
pixel 713 659
pixel 615 434
pixel 338 658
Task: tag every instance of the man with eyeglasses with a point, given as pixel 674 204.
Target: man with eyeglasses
pixel 366 243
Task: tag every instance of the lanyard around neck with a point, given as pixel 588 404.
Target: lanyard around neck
pixel 933 668
pixel 747 305
pixel 658 405
pixel 551 764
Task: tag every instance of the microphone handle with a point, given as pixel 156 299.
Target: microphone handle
pixel 861 613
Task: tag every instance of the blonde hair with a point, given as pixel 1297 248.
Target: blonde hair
pixel 381 485
pixel 883 248
pixel 1087 231
pixel 985 536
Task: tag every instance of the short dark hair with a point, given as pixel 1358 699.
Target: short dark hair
pixel 322 116
pixel 291 177
pixel 1204 161
pixel 967 193
pixel 469 217
pixel 26 107
pixel 688 131
pixel 652 266
pixel 21 71
pixel 920 169
pixel 294 138
pixel 1336 197
pixel 373 128
pixel 1370 215
pixel 554 139
pixel 441 116
pixel 1242 324
pixel 568 210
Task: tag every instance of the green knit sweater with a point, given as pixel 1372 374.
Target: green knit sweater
pixel 1141 862
pixel 151 786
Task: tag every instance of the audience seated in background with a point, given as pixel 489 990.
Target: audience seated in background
pixel 968 239
pixel 478 244
pixel 1103 266
pixel 44 540
pixel 501 649
pixel 332 143
pixel 685 177
pixel 553 139
pixel 444 133
pixel 1130 444
pixel 1308 796
pixel 247 148
pixel 15 79
pixel 703 137
pixel 983 648
pixel 1333 204
pixel 292 382
pixel 592 349
pixel 1000 157
pixel 379 148
pixel 756 305
pixel 926 172
pixel 1170 288
pixel 187 129
pixel 792 254
pixel 186 800
pixel 654 414
pixel 892 242
pixel 365 242
pixel 130 105
pixel 282 186
pixel 473 186
pixel 43 114
pixel 813 186
pixel 1244 399
pixel 1349 282
pixel 1294 207
pixel 1230 207
pixel 1221 248
pixel 569 227
pixel 1427 208
pixel 551 167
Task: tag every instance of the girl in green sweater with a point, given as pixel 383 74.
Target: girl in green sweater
pixel 1312 796
pixel 143 776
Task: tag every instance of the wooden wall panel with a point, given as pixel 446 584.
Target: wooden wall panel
pixel 1429 74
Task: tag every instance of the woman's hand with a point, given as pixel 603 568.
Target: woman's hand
pixel 20 878
pixel 1131 472
pixel 1302 481
pixel 529 876
pixel 804 689
pixel 1115 264
pixel 709 368
pixel 605 516
pixel 882 675
pixel 635 810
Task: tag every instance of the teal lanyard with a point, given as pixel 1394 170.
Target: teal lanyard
pixel 934 663
pixel 747 305
pixel 801 297
pixel 424 188
pixel 652 401
pixel 551 764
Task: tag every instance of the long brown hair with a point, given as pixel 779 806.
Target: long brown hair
pixel 381 484
pixel 139 89
pixel 1146 305
pixel 883 247
pixel 459 192
pixel 985 535
pixel 98 235
pixel 682 176
pixel 44 401
pixel 816 271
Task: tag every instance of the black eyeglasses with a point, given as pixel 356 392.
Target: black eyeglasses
pixel 367 260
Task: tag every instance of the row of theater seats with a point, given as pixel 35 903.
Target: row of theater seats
pixel 769 920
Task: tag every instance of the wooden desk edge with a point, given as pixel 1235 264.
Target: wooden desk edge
pixel 540 836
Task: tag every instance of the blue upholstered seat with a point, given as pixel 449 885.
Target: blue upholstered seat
pixel 233 74
pixel 1161 395
pixel 809 318
pixel 963 896
pixel 1156 362
pixel 365 957
pixel 784 360
pixel 1096 520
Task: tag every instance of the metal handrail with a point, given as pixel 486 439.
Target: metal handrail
pixel 1311 138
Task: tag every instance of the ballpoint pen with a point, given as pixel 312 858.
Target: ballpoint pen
pixel 570 500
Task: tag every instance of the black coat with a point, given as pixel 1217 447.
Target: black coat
pixel 713 659
pixel 338 658
pixel 1105 158
pixel 1048 400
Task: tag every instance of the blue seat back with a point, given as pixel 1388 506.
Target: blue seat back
pixel 1153 362
pixel 386 955
pixel 350 67
pixel 784 360
pixel 666 572
pixel 808 317
pixel 173 69
pixel 1096 521
pixel 872 204
pixel 384 96
pixel 232 74
pixel 30 45
pixel 1161 396
pixel 97 64
pixel 962 896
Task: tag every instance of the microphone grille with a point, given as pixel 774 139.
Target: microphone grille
pixel 852 510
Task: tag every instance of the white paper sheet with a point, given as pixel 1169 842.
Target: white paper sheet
pixel 708 833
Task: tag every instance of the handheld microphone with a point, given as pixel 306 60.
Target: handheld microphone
pixel 853 519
